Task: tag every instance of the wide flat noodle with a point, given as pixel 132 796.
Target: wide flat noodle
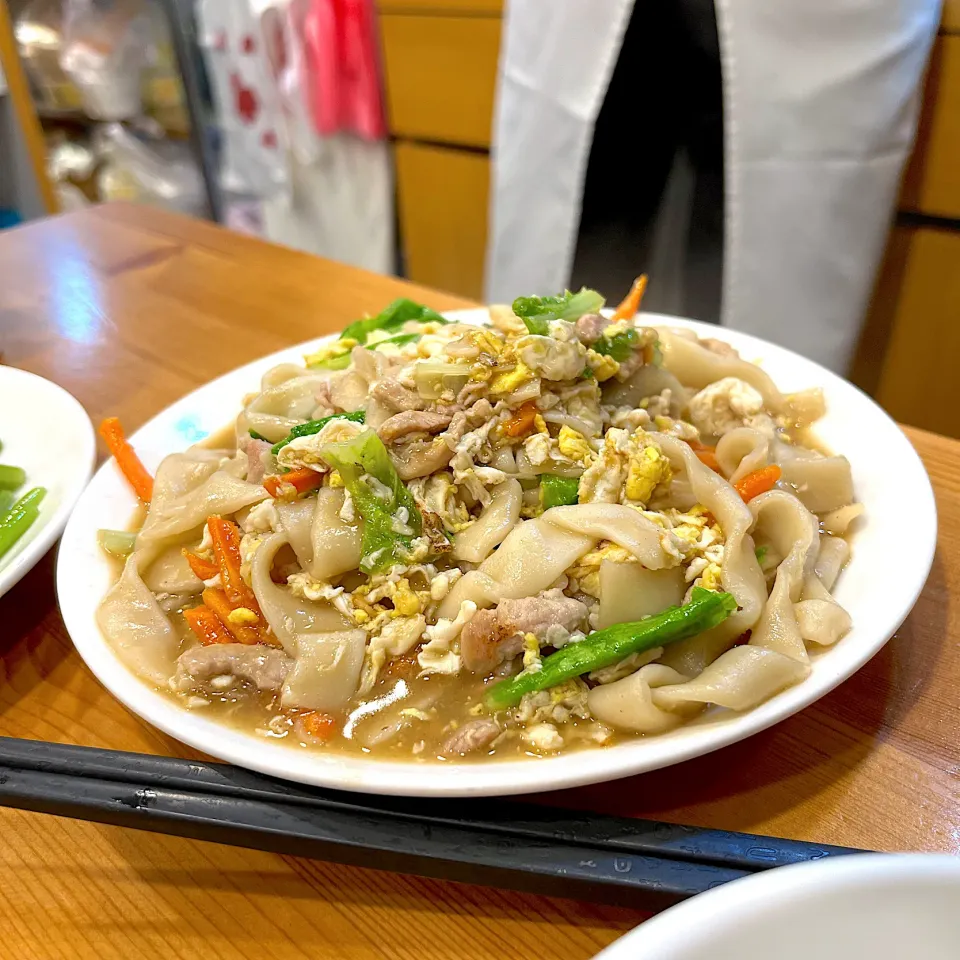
pixel 741 574
pixel 289 616
pixel 628 704
pixel 822 484
pixel 136 627
pixel 741 451
pixel 493 525
pixel 794 533
pixel 696 366
pixel 629 592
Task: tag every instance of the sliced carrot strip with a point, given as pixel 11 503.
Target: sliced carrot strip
pixel 206 625
pixel 127 460
pixel 757 482
pixel 705 454
pixel 201 567
pixel 216 600
pixel 301 480
pixel 630 304
pixel 226 548
pixel 522 421
pixel 320 726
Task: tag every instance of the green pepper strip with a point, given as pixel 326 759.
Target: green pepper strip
pixel 558 491
pixel 706 609
pixel 311 427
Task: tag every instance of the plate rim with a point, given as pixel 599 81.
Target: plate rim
pixel 524 775
pixel 731 903
pixel 47 535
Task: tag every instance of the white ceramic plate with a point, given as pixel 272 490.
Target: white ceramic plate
pixel 881 906
pixel 893 552
pixel 47 432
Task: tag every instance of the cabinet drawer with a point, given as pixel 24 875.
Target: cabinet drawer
pixel 918 382
pixel 441 74
pixel 950 21
pixel 932 181
pixel 442 198
pixel 480 8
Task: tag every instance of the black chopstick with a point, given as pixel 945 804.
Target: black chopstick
pixel 518 845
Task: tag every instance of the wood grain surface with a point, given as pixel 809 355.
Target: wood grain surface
pixel 130 308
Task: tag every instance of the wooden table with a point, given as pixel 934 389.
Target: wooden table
pixel 129 308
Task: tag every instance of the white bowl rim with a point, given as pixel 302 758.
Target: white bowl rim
pixel 46 535
pixel 499 777
pixel 695 922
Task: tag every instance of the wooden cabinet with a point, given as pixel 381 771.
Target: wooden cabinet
pixel 442 201
pixel 919 378
pixel 932 181
pixel 441 74
pixel 911 339
pixel 440 69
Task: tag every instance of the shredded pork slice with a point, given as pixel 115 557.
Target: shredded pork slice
pixel 590 327
pixel 265 667
pixel 412 421
pixel 395 396
pixel 257 452
pixel 495 635
pixel 472 736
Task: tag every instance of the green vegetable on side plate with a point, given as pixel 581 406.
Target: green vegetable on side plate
pixel 311 427
pixel 537 312
pixel 378 496
pixel 603 648
pixel 20 517
pixel 558 491
pixel 11 477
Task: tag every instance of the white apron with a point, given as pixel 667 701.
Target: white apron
pixel 820 108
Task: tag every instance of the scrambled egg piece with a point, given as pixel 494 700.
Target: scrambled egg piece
pixel 645 471
pixel 506 381
pixel 540 425
pixel 330 351
pixel 603 367
pixel 406 602
pixel 552 359
pixel 531 653
pixel 704 542
pixel 628 469
pixel 574 445
pixel 438 494
pixel 441 653
pixel 243 616
pixel 586 571
pixel 334 479
pixel 723 406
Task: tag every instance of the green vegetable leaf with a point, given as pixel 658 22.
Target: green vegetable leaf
pixel 619 346
pixel 705 610
pixel 398 341
pixel 311 427
pixel 378 496
pixel 537 312
pixel 558 491
pixel 331 363
pixel 258 436
pixel 761 553
pixel 390 318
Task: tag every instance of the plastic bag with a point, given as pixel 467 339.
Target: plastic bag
pixel 163 173
pixel 106 46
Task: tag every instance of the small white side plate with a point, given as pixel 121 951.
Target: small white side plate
pixel 876 906
pixel 44 430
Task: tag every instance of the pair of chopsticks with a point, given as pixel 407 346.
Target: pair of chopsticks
pixel 546 850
